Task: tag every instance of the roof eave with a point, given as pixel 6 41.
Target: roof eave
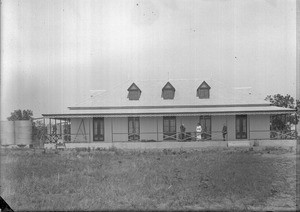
pixel 165 106
pixel 74 115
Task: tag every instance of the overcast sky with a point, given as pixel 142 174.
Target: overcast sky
pixel 54 52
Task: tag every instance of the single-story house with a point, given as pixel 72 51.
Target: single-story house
pixel 155 110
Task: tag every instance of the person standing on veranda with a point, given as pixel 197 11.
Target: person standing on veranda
pixel 182 132
pixel 224 131
pixel 199 132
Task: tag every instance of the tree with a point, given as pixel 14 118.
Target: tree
pixel 20 115
pixel 281 101
pixel 39 131
pixel 284 122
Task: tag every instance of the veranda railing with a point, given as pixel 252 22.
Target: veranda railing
pixel 167 136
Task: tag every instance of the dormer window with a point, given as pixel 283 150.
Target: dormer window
pixel 203 91
pixel 134 92
pixel 168 91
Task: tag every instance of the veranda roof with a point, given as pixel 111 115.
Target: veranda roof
pixel 172 111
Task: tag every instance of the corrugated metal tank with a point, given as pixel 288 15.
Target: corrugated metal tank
pixel 23 132
pixel 7 133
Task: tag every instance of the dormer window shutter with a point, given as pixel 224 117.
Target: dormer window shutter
pixel 168 91
pixel 134 92
pixel 203 91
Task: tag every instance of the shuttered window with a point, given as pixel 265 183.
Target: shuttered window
pixel 98 129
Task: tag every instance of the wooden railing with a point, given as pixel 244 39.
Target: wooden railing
pixel 177 136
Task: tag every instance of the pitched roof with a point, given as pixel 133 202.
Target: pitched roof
pixel 186 94
pixel 203 85
pixel 168 86
pixel 132 87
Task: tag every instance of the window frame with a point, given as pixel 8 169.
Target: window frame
pixel 134 96
pixel 204 87
pixel 168 88
pixel 134 88
pixel 202 95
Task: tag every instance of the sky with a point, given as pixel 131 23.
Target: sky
pixel 53 52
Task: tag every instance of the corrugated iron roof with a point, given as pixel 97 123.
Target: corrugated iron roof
pixel 185 94
pixel 224 100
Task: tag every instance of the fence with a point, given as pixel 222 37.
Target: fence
pixel 170 136
pixel 67 138
pixel 274 135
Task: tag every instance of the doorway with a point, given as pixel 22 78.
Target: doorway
pixel 241 126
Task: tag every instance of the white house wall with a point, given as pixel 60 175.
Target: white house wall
pixel 148 128
pixel 190 123
pixel 107 129
pixel 160 128
pixel 120 129
pixel 76 133
pixel 230 127
pixel 217 123
pixel 259 126
pixel 150 125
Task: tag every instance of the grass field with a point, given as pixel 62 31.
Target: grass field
pixel 159 180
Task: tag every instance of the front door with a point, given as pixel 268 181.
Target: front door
pixel 133 128
pixel 169 128
pixel 241 127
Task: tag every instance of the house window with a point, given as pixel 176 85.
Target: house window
pixel 169 128
pixel 168 91
pixel 134 92
pixel 203 91
pixel 133 128
pixel 98 129
pixel 241 126
pixel 205 122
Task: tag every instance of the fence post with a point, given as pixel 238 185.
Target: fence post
pixel 112 130
pixel 249 127
pixel 296 121
pixel 90 130
pixel 14 125
pixel 50 127
pixel 156 129
pixel 60 128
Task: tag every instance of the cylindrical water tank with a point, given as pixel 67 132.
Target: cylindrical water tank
pixel 23 132
pixel 7 133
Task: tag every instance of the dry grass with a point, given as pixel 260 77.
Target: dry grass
pixel 115 179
